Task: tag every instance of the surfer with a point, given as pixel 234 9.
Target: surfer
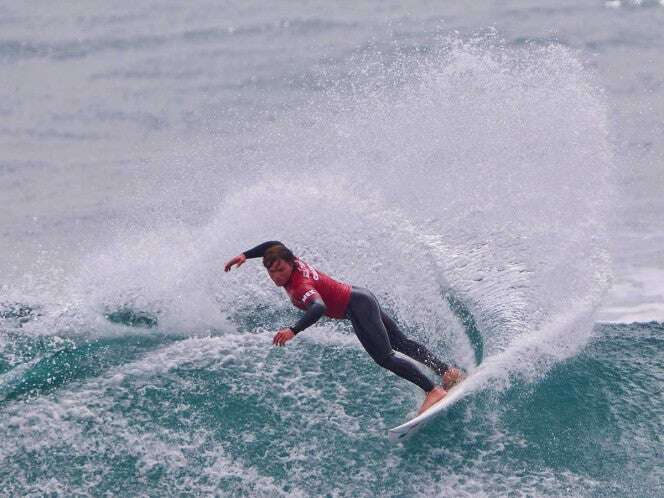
pixel 318 294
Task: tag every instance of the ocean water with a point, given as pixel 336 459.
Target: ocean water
pixel 493 172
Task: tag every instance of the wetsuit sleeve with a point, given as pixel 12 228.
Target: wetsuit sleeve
pixel 259 250
pixel 315 309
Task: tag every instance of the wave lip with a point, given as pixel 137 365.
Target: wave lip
pixel 638 313
pixel 635 298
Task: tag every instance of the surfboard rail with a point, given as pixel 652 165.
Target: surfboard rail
pixel 411 426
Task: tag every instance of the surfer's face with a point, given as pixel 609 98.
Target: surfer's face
pixel 280 272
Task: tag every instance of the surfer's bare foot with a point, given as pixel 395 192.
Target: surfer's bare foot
pixel 433 396
pixel 451 377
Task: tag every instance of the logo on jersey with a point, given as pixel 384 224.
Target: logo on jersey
pixel 307 295
pixel 307 270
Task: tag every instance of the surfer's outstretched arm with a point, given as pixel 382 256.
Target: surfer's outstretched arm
pixel 254 252
pixel 315 309
pixel 259 250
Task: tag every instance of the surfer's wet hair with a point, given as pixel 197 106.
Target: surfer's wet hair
pixel 276 252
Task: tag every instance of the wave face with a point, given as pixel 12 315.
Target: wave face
pixel 465 172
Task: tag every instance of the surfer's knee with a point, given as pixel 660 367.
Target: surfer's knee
pixel 401 343
pixel 385 360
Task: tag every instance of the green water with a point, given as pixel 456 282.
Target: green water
pixel 154 413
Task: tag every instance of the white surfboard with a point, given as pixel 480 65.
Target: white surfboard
pixel 409 428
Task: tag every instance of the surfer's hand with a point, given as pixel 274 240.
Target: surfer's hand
pixel 283 336
pixel 237 260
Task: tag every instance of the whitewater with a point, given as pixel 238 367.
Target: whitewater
pixel 476 168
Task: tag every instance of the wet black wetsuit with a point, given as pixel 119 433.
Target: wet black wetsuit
pixel 380 335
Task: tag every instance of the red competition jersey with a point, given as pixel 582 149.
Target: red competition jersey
pixel 306 283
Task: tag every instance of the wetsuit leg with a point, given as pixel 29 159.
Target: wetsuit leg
pixel 364 313
pixel 410 347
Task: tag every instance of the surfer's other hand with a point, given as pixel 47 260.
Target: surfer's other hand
pixel 282 337
pixel 237 260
